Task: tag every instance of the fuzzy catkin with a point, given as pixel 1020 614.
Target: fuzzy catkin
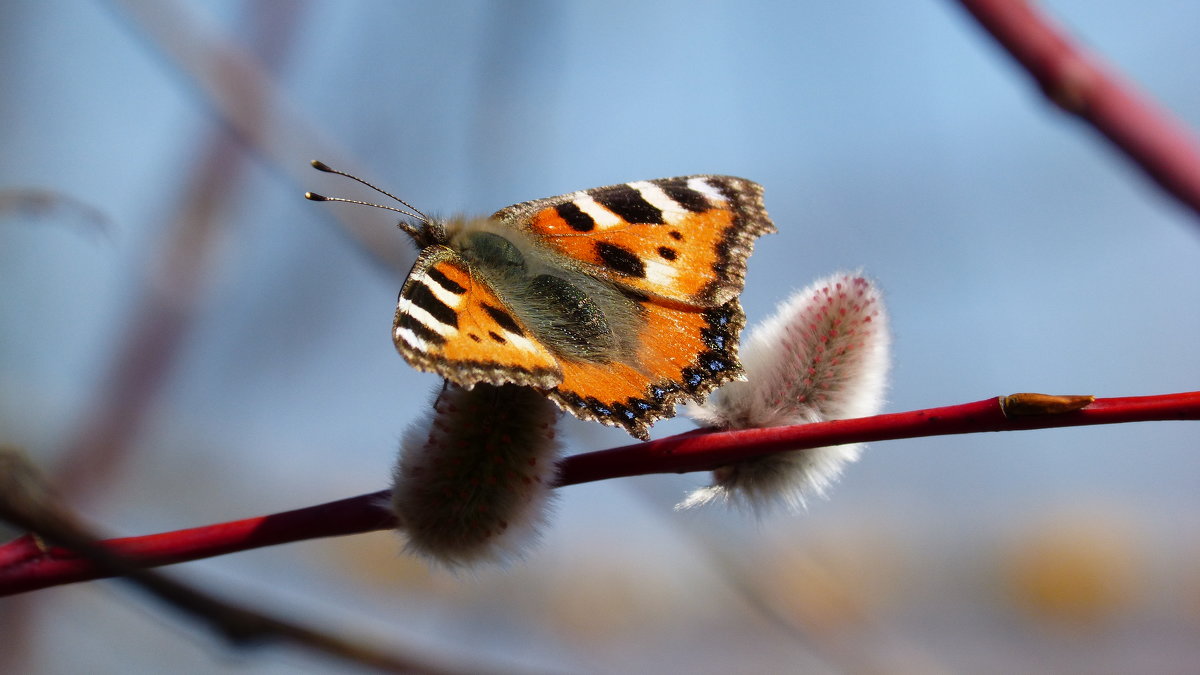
pixel 473 480
pixel 824 355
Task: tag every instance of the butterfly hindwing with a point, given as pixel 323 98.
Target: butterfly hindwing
pixel 683 239
pixel 449 321
pixel 682 353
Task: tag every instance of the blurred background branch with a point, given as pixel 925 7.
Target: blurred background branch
pixel 1078 83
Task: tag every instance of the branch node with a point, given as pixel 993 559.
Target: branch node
pixel 1033 405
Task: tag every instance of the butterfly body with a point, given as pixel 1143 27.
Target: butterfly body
pixel 617 301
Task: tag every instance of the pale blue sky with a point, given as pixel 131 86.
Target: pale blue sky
pixel 1016 249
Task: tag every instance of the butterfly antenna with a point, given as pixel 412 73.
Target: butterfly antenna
pixel 409 210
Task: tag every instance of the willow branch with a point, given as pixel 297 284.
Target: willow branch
pixel 1081 85
pixel 27 502
pixel 25 565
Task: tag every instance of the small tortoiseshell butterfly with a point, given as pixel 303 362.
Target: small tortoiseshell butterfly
pixel 617 301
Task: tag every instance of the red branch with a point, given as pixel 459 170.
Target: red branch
pixel 1081 85
pixel 25 565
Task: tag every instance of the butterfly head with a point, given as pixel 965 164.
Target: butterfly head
pixel 424 230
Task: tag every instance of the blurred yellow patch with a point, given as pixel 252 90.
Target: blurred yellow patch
pixel 835 582
pixel 1079 569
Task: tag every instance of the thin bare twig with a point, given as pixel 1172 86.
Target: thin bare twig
pixel 42 203
pixel 164 313
pixel 238 89
pixel 1081 85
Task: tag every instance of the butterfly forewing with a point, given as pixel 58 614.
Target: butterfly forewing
pixel 682 239
pixel 451 323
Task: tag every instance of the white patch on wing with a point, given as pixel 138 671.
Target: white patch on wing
pixel 654 195
pixel 661 273
pixel 412 340
pixel 701 186
pixel 425 318
pixel 602 216
pixel 451 300
pixel 521 342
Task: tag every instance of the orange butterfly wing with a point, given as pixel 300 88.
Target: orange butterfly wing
pixel 448 321
pixel 684 239
pixel 678 248
pixel 683 353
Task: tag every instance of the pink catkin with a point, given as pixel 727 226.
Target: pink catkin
pixel 823 356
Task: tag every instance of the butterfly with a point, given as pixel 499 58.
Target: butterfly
pixel 617 302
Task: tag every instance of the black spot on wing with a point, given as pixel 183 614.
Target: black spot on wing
pixel 419 329
pixel 625 414
pixel 575 217
pixel 692 378
pixel 659 393
pixel 717 317
pixel 629 204
pixel 504 319
pixel 667 252
pixel 715 339
pixel 718 335
pixel 715 363
pixel 621 260
pixel 445 281
pixel 422 296
pixel 685 196
pixel 572 399
pixel 597 407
